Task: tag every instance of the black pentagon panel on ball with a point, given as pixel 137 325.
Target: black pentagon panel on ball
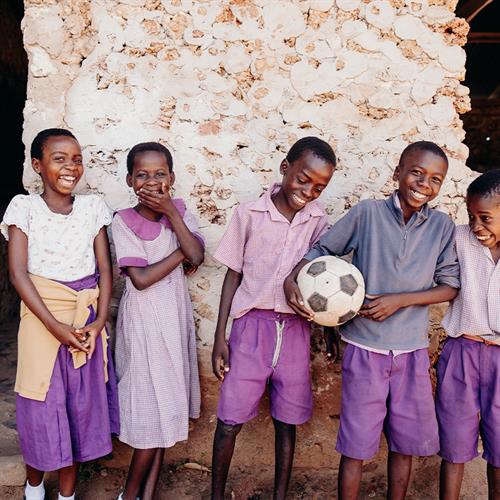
pixel 316 268
pixel 346 317
pixel 317 302
pixel 348 284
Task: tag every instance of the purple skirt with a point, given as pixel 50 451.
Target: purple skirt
pixel 79 414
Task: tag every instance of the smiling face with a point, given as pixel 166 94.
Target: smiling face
pixel 484 219
pixel 151 172
pixel 420 177
pixel 60 165
pixel 303 181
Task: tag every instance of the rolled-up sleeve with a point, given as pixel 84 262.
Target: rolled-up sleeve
pixel 447 268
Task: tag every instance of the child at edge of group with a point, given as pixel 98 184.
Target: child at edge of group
pixel 405 251
pixel 468 370
pixel 269 344
pixel 156 360
pixel 66 401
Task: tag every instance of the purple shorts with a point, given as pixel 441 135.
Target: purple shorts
pixel 468 374
pixel 267 348
pixel 390 394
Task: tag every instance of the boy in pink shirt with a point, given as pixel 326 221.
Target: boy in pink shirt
pixel 269 343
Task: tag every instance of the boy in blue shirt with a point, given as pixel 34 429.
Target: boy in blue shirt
pixel 405 251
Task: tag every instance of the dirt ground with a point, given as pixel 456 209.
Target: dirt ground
pixel 182 479
pixel 100 483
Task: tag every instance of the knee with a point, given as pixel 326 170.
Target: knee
pixel 282 427
pixel 228 430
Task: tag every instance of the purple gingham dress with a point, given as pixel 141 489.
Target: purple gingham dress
pixel 156 360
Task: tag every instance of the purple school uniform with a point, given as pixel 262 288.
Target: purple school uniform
pixel 269 344
pixel 468 371
pixel 155 354
pixel 78 416
pixel 384 392
pixel 272 348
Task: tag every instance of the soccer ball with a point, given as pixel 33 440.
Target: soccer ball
pixel 332 288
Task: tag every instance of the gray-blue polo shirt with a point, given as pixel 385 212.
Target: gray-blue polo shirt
pixel 393 257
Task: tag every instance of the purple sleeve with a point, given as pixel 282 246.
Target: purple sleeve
pixel 129 248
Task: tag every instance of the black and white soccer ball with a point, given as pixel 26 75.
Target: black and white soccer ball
pixel 332 288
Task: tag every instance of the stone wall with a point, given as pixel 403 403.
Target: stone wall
pixel 229 86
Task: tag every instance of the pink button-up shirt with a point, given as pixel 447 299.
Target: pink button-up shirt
pixel 260 243
pixel 476 308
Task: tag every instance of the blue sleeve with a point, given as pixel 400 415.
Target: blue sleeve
pixel 341 239
pixel 447 269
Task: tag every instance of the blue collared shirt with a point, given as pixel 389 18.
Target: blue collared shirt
pixel 393 257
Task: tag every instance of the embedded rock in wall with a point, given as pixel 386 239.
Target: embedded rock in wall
pixel 230 86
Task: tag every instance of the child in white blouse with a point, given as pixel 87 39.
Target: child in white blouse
pixel 66 403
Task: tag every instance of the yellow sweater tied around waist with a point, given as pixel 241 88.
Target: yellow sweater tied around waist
pixel 38 348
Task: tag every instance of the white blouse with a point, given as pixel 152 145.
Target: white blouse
pixel 60 246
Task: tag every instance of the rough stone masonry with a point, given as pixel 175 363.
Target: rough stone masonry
pixel 230 85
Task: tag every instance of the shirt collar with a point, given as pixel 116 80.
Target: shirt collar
pixel 395 206
pixel 265 204
pixel 146 229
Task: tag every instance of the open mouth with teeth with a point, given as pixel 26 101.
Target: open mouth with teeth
pixel 482 237
pixel 298 200
pixel 418 196
pixel 67 180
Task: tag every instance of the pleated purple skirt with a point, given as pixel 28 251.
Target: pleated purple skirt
pixel 79 414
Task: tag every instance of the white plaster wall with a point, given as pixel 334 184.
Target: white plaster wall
pixel 230 85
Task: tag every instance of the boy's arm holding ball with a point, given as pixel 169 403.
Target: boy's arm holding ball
pixel 446 277
pixel 220 351
pixel 292 293
pixel 381 307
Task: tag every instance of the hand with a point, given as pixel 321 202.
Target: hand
pixel 220 359
pixel 67 335
pixel 189 269
pixel 159 202
pixel 90 333
pixel 381 307
pixel 294 299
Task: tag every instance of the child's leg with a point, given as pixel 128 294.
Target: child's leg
pixel 398 475
pixel 35 489
pixel 365 388
pixel 34 476
pixel 151 480
pixel 493 482
pixel 251 344
pixel 457 407
pixel 142 461
pixel 349 481
pixel 224 440
pixel 284 449
pixel 450 480
pixel 67 479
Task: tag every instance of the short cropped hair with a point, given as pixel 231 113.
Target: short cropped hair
pixel 316 146
pixel 148 146
pixel 42 137
pixel 429 146
pixel 486 185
